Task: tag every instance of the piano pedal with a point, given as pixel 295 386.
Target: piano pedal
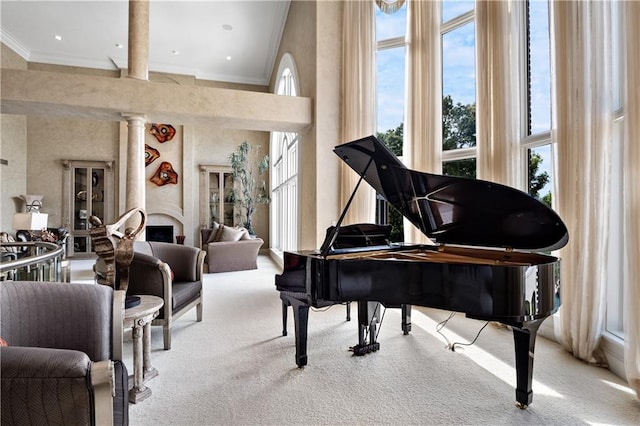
pixel 360 350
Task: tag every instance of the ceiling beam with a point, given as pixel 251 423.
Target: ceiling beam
pixel 28 92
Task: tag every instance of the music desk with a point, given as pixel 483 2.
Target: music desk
pixel 139 319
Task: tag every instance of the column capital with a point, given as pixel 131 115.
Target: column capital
pixel 134 116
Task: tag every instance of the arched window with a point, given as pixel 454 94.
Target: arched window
pixel 284 171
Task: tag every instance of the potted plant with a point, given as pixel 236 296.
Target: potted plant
pixel 250 189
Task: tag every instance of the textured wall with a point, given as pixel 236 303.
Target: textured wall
pixel 53 139
pixel 312 36
pixel 13 176
pixel 11 59
pixel 327 113
pixel 13 148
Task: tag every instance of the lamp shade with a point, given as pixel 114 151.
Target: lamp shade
pixel 30 221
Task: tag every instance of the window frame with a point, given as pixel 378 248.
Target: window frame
pixel 284 171
pixel 451 155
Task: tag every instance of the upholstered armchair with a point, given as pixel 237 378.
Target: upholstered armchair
pixel 230 249
pixel 172 272
pixel 63 363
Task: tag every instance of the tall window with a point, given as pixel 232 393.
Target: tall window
pixel 390 76
pixel 538 149
pixel 458 89
pixel 391 54
pixel 284 172
pixel 459 106
pixel 536 142
pixel 459 97
pixel 615 302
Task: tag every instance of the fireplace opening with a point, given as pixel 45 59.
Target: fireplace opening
pixel 162 233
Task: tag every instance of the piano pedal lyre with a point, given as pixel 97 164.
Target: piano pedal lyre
pixel 361 350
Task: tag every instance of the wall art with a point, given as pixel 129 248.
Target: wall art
pixel 162 132
pixel 150 154
pixel 165 175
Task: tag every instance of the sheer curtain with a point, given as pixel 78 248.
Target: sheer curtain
pixel 497 113
pixel 358 100
pixel 631 191
pixel 423 122
pixel 582 130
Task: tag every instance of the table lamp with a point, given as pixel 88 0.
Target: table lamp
pixel 30 221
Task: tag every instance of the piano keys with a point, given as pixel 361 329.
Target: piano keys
pixel 486 260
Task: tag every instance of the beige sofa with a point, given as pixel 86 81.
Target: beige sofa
pixel 230 248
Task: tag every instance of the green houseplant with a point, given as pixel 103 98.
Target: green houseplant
pixel 250 188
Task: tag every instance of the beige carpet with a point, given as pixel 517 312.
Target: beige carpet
pixel 235 368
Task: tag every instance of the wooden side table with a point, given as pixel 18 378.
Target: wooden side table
pixel 139 319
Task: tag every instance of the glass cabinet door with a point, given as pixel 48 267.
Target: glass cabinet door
pixel 229 201
pixel 88 201
pixel 216 196
pixel 88 185
pixel 221 198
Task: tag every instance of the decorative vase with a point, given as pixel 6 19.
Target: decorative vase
pixel 33 202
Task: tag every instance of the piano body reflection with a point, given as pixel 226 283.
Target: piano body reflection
pixel 482 262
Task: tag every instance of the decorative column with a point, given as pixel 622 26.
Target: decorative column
pixel 139 39
pixel 135 185
pixel 139 69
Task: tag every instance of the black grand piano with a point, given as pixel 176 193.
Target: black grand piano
pixel 482 262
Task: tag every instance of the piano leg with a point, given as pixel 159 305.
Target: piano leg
pixel 368 318
pixel 406 319
pixel 285 306
pixel 301 322
pixel 525 340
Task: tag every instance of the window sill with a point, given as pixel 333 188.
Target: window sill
pixel 612 345
pixel 613 348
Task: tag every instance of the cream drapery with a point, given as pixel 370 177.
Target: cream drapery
pixel 631 196
pixel 581 40
pixel 358 100
pixel 497 111
pixel 423 96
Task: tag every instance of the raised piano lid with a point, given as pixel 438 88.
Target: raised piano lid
pixel 456 210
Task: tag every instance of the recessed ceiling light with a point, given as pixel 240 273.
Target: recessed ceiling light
pixel 227 27
pixel 228 58
pixel 119 45
pixel 175 52
pixel 58 37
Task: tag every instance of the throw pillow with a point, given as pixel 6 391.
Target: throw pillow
pixel 214 232
pixel 231 234
pixel 218 233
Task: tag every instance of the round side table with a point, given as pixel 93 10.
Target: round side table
pixel 139 319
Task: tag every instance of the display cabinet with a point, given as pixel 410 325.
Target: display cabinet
pixel 88 191
pixel 216 195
